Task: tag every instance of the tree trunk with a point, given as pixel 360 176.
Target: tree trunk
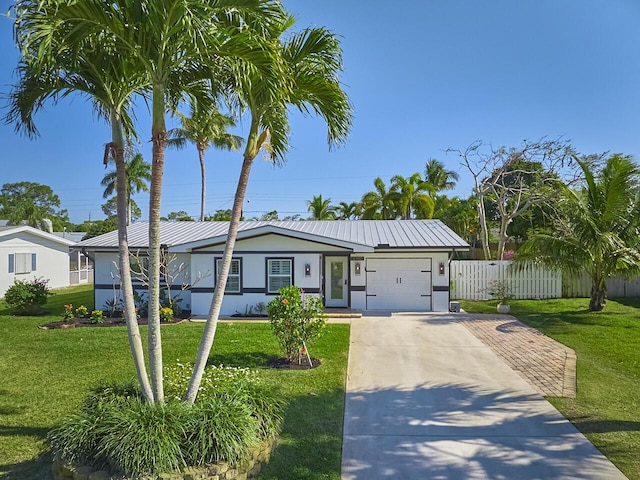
pixel 133 331
pixel 128 209
pixel 159 139
pixel 484 230
pixel 254 143
pixel 502 240
pixel 203 191
pixel 598 297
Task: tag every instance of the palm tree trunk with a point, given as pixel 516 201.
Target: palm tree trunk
pixel 203 179
pixel 598 295
pixel 159 139
pixel 128 209
pixel 254 143
pixel 133 331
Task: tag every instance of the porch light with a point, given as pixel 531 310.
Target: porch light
pixel 307 269
pixel 441 268
pixel 357 268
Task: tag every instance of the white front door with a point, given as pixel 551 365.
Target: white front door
pixel 336 283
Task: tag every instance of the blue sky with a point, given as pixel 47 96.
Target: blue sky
pixel 423 76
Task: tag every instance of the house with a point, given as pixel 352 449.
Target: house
pixel 26 252
pixel 389 265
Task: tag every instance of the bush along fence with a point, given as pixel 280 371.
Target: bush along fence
pixel 472 280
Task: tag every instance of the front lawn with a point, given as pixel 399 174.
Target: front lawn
pixel 607 407
pixel 45 374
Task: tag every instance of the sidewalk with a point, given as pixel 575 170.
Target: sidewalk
pixel 427 399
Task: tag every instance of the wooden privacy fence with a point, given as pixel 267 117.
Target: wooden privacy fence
pixel 472 279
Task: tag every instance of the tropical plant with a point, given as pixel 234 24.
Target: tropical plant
pixel 412 196
pixel 166 314
pixel 348 211
pixel 205 127
pixel 138 175
pixel 378 204
pixel 82 311
pixel 439 177
pixel 97 316
pixel 305 76
pixel 91 66
pixel 596 229
pixel 295 320
pixel 321 208
pixel 27 297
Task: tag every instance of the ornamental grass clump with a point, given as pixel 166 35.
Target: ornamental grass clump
pixel 295 319
pixel 118 430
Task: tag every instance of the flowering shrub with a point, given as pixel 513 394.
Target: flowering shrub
pixel 214 379
pixel 82 311
pixel 68 312
pixel 166 314
pixel 295 319
pixel 97 316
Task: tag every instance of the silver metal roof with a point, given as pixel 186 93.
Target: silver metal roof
pixel 367 233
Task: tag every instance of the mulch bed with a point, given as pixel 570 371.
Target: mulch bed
pixel 285 364
pixel 107 322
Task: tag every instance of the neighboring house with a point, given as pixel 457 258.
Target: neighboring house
pixel 26 252
pixel 389 265
pixel 80 265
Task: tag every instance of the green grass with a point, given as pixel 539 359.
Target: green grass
pixel 607 407
pixel 47 373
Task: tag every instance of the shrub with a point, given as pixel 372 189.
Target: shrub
pixel 28 297
pixel 97 316
pixel 116 428
pixel 166 314
pixel 82 311
pixel 295 319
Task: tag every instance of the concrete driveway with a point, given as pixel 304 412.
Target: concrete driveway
pixel 427 400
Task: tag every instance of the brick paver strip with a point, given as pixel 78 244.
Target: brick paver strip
pixel 549 366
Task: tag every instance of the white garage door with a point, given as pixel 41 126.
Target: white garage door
pixel 400 284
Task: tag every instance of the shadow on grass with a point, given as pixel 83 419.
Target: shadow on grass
pixel 310 445
pixel 605 426
pixel 240 359
pixel 13 431
pixel 38 468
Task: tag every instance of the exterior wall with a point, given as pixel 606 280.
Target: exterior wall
pixel 253 254
pixel 107 282
pixel 52 260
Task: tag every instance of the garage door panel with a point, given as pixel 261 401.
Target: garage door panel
pixel 399 284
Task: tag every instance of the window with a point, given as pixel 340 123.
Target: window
pixel 279 274
pixel 22 262
pixel 234 284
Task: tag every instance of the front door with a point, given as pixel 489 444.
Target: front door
pixel 336 283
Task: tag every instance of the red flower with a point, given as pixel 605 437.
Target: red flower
pixel 303 351
pixel 285 301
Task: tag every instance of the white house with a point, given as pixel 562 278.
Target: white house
pixel 27 252
pixel 390 265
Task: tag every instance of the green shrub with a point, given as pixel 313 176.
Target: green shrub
pixel 27 298
pixel 117 429
pixel 166 314
pixel 295 319
pixel 82 311
pixel 97 316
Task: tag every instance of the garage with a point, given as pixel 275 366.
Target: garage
pixel 402 284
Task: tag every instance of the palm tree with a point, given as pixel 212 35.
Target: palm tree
pixel 321 209
pixel 378 204
pixel 307 78
pixel 348 211
pixel 412 195
pixel 138 174
pixel 597 229
pixel 441 179
pixel 205 128
pixel 109 81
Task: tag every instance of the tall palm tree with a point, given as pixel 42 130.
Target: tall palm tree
pixel 412 196
pixel 321 209
pixel 441 179
pixel 138 174
pixel 348 211
pixel 93 70
pixel 597 230
pixel 378 204
pixel 178 51
pixel 305 77
pixel 205 127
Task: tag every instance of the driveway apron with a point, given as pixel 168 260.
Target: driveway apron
pixel 427 400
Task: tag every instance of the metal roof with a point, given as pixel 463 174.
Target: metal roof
pixel 367 233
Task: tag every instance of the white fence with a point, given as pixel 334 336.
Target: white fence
pixel 471 280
